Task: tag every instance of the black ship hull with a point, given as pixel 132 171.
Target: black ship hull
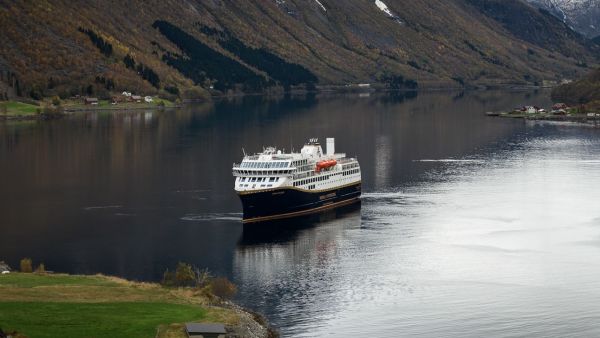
pixel 292 202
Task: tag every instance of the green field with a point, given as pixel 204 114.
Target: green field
pixel 111 319
pixel 58 305
pixel 105 104
pixel 27 280
pixel 19 108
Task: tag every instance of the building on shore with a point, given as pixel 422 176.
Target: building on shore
pixel 205 330
pixel 91 101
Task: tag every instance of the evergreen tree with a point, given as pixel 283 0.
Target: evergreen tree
pixel 202 62
pixel 105 47
pixel 129 61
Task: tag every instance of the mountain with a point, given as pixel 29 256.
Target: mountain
pixel 582 15
pixel 585 90
pixel 69 47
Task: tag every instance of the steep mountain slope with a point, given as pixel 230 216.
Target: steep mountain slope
pixel 70 47
pixel 582 15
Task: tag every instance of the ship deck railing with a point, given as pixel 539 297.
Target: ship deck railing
pixel 238 166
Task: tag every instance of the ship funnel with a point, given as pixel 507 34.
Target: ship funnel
pixel 330 146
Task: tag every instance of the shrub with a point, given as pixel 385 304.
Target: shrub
pixel 168 278
pixel 195 93
pixel 172 89
pixel 53 110
pixel 36 93
pixel 41 268
pixel 187 275
pixel 184 274
pixel 26 265
pixel 56 100
pixel 223 288
pixel 203 277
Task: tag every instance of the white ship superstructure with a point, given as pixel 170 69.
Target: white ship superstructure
pixel 274 169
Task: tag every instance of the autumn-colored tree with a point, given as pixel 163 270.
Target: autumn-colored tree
pixel 223 288
pixel 26 265
pixel 41 268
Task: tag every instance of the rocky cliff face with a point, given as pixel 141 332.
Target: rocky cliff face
pixel 68 47
pixel 582 15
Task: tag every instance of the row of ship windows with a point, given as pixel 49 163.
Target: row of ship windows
pixel 265 165
pixel 270 172
pixel 262 185
pixel 350 172
pixel 322 178
pixel 311 180
pixel 259 179
pixel 297 163
pixel 350 166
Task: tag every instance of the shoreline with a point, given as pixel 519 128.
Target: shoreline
pixel 116 303
pixel 68 110
pixel 583 118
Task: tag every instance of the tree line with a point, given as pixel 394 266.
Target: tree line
pixel 144 71
pixel 201 63
pixel 282 71
pixel 105 47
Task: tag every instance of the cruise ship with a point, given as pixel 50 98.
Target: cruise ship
pixel 275 185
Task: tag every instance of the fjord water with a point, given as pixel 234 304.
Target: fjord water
pixel 468 225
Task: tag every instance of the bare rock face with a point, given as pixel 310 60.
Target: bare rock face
pixel 582 15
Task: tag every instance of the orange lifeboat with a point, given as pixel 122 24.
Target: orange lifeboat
pixel 325 164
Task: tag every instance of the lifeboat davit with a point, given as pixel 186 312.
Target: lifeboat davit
pixel 325 164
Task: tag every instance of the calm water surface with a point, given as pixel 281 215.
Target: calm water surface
pixel 468 226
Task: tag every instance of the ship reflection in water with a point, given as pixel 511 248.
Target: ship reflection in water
pixel 288 230
pixel 283 259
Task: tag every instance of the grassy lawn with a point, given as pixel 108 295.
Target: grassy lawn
pixel 59 305
pixel 114 319
pixel 26 280
pixel 20 108
pixel 69 104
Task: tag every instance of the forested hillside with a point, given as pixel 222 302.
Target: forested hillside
pixel 585 90
pixel 60 47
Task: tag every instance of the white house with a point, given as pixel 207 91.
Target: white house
pixel 148 99
pixel 531 110
pixel 4 268
pixel 128 94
